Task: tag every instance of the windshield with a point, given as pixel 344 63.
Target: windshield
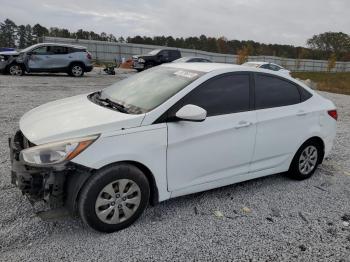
pixel 28 48
pixel 145 91
pixel 154 52
pixel 181 60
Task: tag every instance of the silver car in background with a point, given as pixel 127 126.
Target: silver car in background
pixel 269 66
pixel 47 57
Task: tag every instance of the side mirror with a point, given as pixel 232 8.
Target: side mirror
pixel 191 113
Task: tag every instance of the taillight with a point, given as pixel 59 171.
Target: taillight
pixel 88 55
pixel 333 114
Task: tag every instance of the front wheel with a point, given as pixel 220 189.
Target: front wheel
pixel 305 161
pixel 16 70
pixel 114 198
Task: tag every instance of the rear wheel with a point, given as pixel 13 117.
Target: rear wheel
pixel 76 70
pixel 114 198
pixel 16 70
pixel 305 161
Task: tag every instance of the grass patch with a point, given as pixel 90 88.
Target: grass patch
pixel 330 82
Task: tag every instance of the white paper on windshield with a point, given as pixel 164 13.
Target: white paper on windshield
pixel 185 74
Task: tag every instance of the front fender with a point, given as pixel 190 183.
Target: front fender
pixel 145 145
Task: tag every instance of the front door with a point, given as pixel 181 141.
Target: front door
pixel 220 147
pixel 39 58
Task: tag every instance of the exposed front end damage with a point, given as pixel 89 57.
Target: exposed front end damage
pixel 43 183
pixel 6 59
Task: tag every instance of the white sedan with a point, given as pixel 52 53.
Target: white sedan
pixel 173 130
pixel 268 66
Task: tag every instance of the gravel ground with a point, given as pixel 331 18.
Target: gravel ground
pixel 272 218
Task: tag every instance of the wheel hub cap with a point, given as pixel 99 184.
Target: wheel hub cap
pixel 77 70
pixel 112 209
pixel 15 70
pixel 308 160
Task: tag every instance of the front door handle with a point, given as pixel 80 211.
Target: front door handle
pixel 242 124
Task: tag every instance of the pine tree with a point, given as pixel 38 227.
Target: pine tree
pixel 8 33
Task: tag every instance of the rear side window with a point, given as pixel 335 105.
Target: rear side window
pixel 271 91
pixel 174 54
pixel 58 50
pixel 222 95
pixel 74 50
pixel 265 66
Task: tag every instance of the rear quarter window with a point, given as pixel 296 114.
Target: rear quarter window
pixel 305 95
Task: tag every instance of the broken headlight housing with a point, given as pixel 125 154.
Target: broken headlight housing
pixel 57 152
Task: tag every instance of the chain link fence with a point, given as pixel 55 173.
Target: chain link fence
pixel 110 51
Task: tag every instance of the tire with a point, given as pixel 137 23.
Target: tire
pixel 106 213
pixel 76 70
pixel 15 70
pixel 305 161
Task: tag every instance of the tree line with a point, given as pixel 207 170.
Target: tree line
pixel 322 46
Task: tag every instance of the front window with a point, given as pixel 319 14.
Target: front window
pixel 28 48
pixel 147 90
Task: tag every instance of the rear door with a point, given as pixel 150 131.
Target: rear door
pixel 164 56
pixel 282 122
pixel 210 153
pixel 59 57
pixel 174 54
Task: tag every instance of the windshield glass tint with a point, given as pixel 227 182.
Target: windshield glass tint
pixel 154 52
pixel 147 90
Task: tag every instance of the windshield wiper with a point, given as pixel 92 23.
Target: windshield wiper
pixel 111 103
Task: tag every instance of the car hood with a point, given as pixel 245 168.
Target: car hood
pixel 73 117
pixel 9 53
pixel 143 56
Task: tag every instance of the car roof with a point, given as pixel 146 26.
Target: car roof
pixel 210 67
pixel 191 57
pixel 257 63
pixel 59 44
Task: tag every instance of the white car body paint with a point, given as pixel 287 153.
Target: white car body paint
pixel 188 157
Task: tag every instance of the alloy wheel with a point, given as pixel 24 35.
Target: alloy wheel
pixel 118 201
pixel 77 70
pixel 15 70
pixel 308 160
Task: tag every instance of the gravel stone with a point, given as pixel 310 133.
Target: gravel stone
pixel 173 231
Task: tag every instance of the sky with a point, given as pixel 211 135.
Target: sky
pixel 268 21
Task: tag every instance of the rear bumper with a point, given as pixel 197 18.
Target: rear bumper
pixel 89 68
pixel 41 183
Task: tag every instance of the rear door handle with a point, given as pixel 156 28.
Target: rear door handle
pixel 242 124
pixel 301 113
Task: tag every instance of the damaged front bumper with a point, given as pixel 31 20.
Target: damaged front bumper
pixel 42 183
pixel 138 65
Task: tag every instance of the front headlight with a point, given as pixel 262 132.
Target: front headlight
pixel 141 60
pixel 2 58
pixel 56 153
